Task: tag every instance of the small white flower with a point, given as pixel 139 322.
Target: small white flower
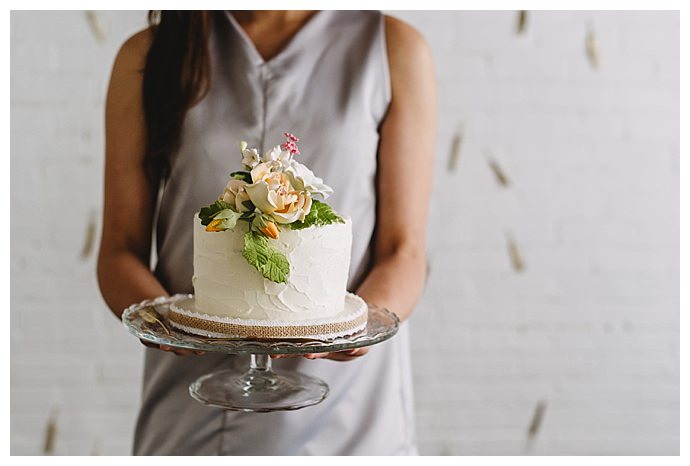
pixel 250 157
pixel 271 155
pixel 282 157
pixel 303 179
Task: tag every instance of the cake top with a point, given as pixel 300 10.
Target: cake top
pixel 274 191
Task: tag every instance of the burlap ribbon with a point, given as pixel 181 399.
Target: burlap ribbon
pixel 261 331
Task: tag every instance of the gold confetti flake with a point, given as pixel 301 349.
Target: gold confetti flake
pixel 592 49
pixel 89 238
pixel 428 272
pixel 455 147
pixel 499 173
pixel 522 21
pixel 515 256
pixel 50 433
pixel 535 425
pixel 96 26
pixel 537 418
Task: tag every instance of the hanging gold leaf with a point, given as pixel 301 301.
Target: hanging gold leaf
pixel 96 26
pixel 455 148
pixel 428 272
pixel 498 172
pixel 537 418
pixel 535 425
pixel 522 21
pixel 592 49
pixel 514 252
pixel 50 434
pixel 90 237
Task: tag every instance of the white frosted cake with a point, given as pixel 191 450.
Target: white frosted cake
pixel 270 261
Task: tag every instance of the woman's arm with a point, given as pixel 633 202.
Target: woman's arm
pixel 405 166
pixel 124 275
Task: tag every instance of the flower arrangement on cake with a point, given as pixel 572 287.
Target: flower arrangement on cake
pixel 273 192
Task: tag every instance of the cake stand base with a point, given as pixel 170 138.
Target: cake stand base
pixel 259 390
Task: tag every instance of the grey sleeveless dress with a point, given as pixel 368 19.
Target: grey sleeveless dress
pixel 330 86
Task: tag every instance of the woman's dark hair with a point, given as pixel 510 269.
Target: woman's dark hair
pixel 176 77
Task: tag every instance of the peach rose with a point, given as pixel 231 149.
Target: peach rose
pixel 235 194
pixel 272 193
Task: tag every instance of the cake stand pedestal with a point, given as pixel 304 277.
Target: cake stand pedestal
pixel 260 389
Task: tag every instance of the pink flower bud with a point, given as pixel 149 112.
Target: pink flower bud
pixel 290 145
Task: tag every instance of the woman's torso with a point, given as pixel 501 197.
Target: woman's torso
pixel 330 87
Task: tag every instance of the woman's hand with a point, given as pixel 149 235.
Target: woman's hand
pixel 347 355
pixel 177 351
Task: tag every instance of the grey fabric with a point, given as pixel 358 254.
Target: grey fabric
pixel 329 86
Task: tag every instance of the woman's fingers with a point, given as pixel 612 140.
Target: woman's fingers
pixel 347 355
pixel 177 351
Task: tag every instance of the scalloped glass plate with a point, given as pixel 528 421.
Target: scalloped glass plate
pixel 148 321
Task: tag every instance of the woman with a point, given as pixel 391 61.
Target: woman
pixel 358 89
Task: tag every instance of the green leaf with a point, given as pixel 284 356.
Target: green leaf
pixel 206 214
pixel 326 215
pixel 319 215
pixel 270 263
pixel 242 175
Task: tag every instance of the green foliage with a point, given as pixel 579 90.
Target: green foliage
pixel 228 219
pixel 270 263
pixel 242 175
pixel 206 214
pixel 319 215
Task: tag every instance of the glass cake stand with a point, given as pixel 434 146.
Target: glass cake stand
pixel 260 389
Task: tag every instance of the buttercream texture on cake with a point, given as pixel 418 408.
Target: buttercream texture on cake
pixel 226 285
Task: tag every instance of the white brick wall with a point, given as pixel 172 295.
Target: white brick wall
pixel 587 330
